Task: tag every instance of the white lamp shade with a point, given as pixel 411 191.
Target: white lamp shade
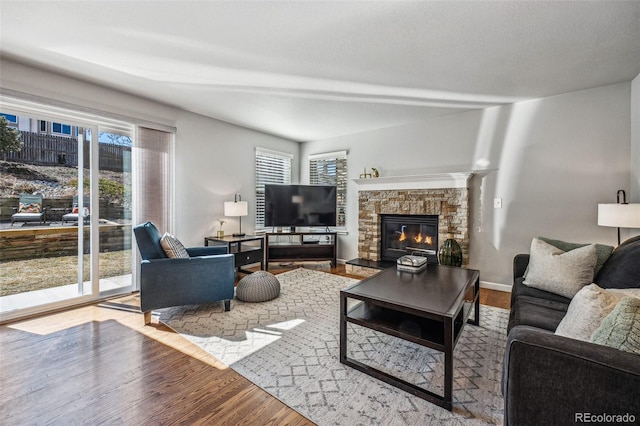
pixel 619 215
pixel 236 208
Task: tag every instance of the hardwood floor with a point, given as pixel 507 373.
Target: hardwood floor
pixel 99 364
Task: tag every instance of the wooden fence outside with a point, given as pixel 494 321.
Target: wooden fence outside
pixel 52 150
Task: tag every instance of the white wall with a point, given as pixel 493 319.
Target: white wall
pixel 551 160
pixel 213 159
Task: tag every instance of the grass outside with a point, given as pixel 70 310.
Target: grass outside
pixel 19 276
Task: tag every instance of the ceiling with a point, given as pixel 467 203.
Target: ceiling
pixel 312 70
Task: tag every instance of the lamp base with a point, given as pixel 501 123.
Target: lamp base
pixel 239 235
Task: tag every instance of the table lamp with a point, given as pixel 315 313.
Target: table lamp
pixel 620 214
pixel 237 208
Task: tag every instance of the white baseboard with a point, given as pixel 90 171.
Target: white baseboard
pixel 495 286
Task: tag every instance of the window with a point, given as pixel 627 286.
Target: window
pixel 271 167
pixel 12 119
pixel 61 129
pixel 42 126
pixel 331 169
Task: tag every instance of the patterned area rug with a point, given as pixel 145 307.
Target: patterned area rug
pixel 289 347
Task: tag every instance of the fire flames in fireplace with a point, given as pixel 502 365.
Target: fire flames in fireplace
pixel 404 234
pixel 427 239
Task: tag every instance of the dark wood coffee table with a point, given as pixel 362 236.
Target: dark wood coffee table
pixel 435 303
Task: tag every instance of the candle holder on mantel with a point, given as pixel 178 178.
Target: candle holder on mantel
pixel 374 173
pixel 365 175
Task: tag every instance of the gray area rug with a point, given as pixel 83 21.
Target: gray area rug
pixel 290 346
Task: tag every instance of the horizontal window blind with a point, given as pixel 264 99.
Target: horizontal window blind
pixel 272 167
pixel 331 169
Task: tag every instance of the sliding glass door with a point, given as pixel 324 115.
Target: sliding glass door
pixel 115 205
pixel 65 214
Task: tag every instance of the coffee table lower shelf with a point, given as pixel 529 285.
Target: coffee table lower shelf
pixel 437 332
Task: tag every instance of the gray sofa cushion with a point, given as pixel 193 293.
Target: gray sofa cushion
pixel 537 312
pixel 519 289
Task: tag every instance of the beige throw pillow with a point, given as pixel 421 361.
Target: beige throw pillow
pixel 629 292
pixel 173 247
pixel 586 311
pixel 559 272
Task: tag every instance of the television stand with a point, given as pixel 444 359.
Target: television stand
pixel 301 247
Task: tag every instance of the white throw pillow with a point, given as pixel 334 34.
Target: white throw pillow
pixel 559 272
pixel 173 247
pixel 586 311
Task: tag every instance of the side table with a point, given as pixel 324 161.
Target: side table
pixel 245 249
pixel 55 214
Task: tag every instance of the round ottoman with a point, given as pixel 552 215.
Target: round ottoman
pixel 258 287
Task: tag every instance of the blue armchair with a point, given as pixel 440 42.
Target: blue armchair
pixel 208 275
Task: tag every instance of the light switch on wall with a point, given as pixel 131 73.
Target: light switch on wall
pixel 497 203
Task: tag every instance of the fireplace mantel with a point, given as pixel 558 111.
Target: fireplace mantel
pixel 429 181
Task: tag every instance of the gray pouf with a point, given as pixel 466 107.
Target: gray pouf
pixel 258 287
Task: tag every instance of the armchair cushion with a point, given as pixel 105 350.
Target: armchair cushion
pixel 29 207
pixel 172 247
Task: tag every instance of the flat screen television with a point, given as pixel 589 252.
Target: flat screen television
pixel 299 205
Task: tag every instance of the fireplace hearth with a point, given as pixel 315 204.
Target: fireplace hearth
pixel 408 234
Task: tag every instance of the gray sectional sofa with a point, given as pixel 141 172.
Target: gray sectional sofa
pixel 549 379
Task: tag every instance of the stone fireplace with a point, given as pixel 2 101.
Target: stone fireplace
pixel 443 196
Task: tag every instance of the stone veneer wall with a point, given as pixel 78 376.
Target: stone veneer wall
pixel 450 204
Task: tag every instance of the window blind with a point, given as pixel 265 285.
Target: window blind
pixel 272 167
pixel 331 169
pixel 153 177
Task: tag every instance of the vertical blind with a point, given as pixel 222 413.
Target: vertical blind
pixel 272 167
pixel 331 169
pixel 154 177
